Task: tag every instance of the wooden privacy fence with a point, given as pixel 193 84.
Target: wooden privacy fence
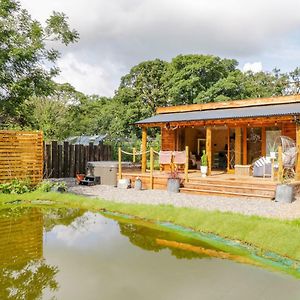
pixel 67 160
pixel 21 156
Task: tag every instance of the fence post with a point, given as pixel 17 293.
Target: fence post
pixel 54 160
pixel 72 160
pixel 151 168
pixel 60 158
pixel 133 155
pixel 66 160
pixel 186 166
pixel 120 162
pixel 49 160
pixel 280 165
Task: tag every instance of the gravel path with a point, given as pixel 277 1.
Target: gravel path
pixel 258 207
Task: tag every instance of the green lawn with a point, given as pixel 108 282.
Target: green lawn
pixel 282 237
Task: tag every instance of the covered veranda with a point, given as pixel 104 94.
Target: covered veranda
pixel 233 134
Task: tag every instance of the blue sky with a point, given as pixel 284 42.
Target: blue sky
pixel 117 34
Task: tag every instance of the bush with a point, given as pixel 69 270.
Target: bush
pixel 16 186
pixel 48 186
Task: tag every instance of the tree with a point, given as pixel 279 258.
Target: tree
pixel 238 85
pixel 144 87
pixel 189 75
pixel 24 54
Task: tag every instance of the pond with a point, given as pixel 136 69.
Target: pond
pixel 75 254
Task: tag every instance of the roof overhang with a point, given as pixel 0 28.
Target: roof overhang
pixel 263 111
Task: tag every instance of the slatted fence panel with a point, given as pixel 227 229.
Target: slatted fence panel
pixel 66 160
pixel 21 156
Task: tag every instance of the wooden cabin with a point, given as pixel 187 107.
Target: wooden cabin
pixel 234 134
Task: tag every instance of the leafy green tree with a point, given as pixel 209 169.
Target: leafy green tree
pixel 294 79
pixel 189 75
pixel 54 114
pixel 239 85
pixel 24 54
pixel 144 87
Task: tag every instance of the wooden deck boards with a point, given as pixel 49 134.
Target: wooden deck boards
pixel 218 183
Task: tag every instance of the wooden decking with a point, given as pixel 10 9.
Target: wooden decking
pixel 217 184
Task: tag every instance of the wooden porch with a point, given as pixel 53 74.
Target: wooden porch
pixel 233 136
pixel 217 184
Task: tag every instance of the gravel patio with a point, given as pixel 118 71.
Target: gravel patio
pixel 259 207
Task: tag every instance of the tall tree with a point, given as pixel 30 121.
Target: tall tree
pixel 24 54
pixel 144 86
pixel 189 75
pixel 239 85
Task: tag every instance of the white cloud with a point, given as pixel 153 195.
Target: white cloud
pixel 254 67
pixel 116 34
pixel 80 229
pixel 87 78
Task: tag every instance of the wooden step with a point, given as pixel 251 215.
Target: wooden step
pixel 223 193
pixel 247 183
pixel 256 190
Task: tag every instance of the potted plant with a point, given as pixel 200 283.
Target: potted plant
pixel 285 191
pixel 174 180
pixel 204 164
pixel 273 149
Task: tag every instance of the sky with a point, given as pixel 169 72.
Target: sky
pixel 115 35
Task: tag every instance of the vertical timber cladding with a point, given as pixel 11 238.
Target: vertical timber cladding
pixel 21 156
pixel 168 139
pixel 289 129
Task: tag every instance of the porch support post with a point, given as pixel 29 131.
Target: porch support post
pixel 144 149
pixel 263 141
pixel 151 168
pixel 298 152
pixel 238 146
pixel 186 166
pixel 245 159
pixel 120 162
pixel 208 149
pixel 280 166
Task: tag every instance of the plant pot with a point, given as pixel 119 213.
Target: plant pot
pixel 284 193
pixel 138 184
pixel 79 177
pixel 273 154
pixel 173 185
pixel 203 170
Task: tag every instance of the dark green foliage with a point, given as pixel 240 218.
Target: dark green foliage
pixel 16 187
pixel 188 75
pixel 22 56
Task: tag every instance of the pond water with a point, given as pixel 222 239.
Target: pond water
pixel 74 254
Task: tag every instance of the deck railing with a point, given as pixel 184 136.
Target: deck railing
pixel 152 152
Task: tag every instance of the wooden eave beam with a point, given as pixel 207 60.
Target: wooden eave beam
pixel 265 121
pixel 229 104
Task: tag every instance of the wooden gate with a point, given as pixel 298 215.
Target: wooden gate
pixel 21 156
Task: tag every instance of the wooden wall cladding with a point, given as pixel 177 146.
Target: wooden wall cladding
pixel 168 139
pixel 289 129
pixel 21 156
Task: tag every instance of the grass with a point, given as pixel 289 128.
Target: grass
pixel 279 236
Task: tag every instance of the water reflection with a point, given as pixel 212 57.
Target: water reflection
pixel 24 273
pixel 73 254
pixel 179 245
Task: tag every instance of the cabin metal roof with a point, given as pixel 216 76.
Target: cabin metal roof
pixel 227 113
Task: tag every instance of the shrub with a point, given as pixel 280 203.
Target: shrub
pixel 48 186
pixel 16 186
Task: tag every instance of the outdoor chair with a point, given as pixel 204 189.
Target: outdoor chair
pixel 289 160
pixel 289 156
pixel 262 167
pixel 165 158
pixel 179 159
